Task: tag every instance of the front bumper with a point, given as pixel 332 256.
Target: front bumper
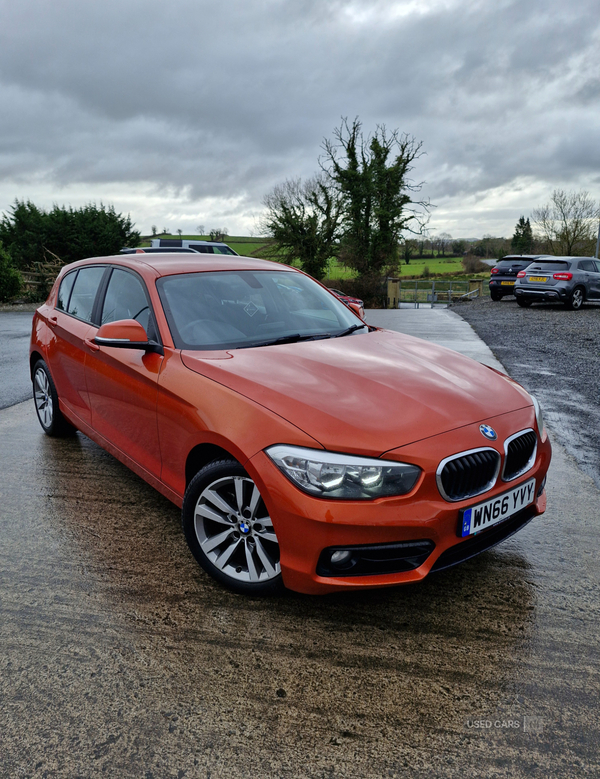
pixel 404 537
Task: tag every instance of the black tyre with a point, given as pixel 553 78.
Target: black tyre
pixel 45 398
pixel 523 302
pixel 229 531
pixel 495 295
pixel 575 302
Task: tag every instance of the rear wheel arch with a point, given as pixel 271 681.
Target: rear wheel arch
pixel 34 357
pixel 46 402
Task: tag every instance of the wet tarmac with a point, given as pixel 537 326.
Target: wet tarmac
pixel 15 334
pixel 554 354
pixel 119 657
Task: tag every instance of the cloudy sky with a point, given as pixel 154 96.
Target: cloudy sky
pixel 188 112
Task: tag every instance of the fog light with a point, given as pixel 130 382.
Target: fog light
pixel 341 557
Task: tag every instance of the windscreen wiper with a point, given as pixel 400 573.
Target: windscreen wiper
pixel 349 330
pixel 288 339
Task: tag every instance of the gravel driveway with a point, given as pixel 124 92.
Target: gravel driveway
pixel 554 353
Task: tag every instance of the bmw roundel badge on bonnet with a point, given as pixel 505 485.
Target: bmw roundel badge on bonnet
pixel 488 432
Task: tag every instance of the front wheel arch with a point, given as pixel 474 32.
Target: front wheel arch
pixel 200 456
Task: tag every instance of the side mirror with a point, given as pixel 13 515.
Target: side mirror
pixel 358 310
pixel 126 334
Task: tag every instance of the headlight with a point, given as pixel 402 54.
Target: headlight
pixel 539 418
pixel 343 476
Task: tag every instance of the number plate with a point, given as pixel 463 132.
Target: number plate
pixel 538 278
pixel 484 515
pixel 507 283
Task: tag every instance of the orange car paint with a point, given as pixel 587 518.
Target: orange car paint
pixel 374 394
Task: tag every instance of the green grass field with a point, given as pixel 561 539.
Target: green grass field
pixel 250 246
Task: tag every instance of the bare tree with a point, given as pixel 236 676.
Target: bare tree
pixel 200 229
pixel 218 234
pixel 568 223
pixel 444 243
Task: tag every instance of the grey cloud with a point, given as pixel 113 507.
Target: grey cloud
pixel 225 99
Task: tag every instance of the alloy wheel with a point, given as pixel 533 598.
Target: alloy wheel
pixel 235 532
pixel 577 298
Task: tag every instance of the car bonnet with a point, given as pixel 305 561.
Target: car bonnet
pixel 368 393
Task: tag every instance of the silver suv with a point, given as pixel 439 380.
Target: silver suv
pixel 568 280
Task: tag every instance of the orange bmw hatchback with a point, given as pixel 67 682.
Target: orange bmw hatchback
pixel 306 449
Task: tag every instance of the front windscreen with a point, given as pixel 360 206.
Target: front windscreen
pixel 240 309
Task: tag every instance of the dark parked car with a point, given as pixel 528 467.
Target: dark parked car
pixel 568 280
pixel 504 273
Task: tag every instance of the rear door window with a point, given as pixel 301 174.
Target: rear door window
pixel 85 289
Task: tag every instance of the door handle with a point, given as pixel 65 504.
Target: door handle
pixel 52 321
pixel 94 347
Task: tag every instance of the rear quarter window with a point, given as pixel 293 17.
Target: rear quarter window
pixel 587 265
pixel 64 291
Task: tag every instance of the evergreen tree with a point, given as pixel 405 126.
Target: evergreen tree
pixel 522 240
pixel 371 176
pixel 32 235
pixel 10 279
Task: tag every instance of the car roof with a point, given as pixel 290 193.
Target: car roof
pixel 170 264
pixel 565 258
